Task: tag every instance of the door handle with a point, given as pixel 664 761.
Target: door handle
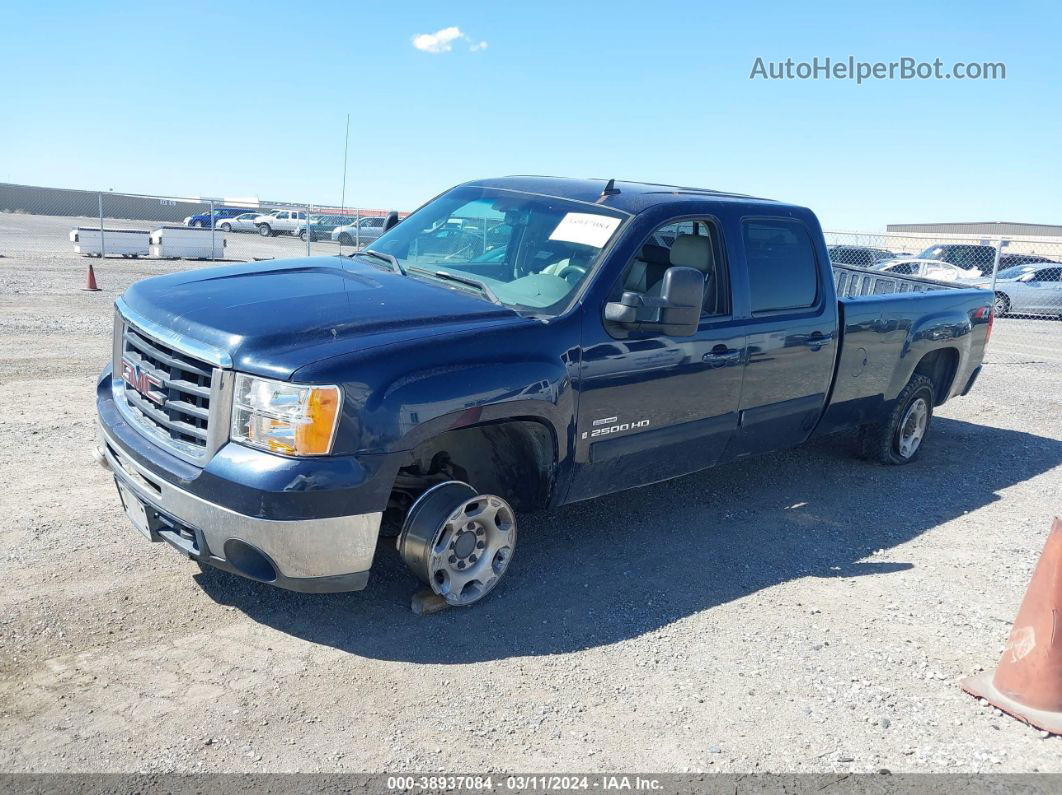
pixel 721 356
pixel 817 342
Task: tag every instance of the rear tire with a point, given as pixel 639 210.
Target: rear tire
pixel 900 438
pixel 346 240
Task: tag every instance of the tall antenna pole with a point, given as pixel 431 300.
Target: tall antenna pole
pixel 346 140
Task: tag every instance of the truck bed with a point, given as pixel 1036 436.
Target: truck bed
pixel 884 318
pixel 853 282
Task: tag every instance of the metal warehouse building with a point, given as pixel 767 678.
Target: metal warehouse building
pixel 978 229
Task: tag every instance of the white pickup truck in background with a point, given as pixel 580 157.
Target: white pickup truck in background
pixel 279 222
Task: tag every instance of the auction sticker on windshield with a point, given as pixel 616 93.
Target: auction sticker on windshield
pixel 588 229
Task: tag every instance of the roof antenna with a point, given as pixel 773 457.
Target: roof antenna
pixel 610 189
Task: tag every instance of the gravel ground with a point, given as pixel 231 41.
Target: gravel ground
pixel 797 612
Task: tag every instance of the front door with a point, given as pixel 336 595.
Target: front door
pixel 653 406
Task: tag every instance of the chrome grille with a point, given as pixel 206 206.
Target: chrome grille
pixel 166 392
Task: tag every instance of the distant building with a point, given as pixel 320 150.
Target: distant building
pixel 1018 238
pixel 986 228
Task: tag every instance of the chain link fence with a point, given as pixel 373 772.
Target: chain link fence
pixel 59 226
pixel 107 225
pixel 1025 275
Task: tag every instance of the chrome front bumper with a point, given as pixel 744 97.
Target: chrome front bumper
pixel 312 555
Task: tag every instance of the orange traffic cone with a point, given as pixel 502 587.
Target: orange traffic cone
pixel 1028 681
pixel 91 280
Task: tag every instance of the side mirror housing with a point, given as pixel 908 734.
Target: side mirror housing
pixel 676 313
pixel 391 221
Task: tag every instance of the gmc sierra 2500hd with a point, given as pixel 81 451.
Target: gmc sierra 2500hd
pixel 514 344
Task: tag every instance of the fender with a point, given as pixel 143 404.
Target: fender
pixel 949 328
pixel 423 405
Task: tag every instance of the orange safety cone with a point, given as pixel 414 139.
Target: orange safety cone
pixel 91 280
pixel 1028 681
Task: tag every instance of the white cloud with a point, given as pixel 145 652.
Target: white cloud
pixel 443 41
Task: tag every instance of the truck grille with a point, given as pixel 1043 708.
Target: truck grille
pixel 167 392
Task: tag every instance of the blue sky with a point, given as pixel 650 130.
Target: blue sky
pixel 251 99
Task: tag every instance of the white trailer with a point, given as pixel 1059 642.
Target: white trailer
pixel 89 242
pixel 185 242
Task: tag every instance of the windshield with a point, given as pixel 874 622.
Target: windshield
pixel 1014 271
pixel 533 252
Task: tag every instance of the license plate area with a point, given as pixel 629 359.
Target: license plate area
pixel 134 509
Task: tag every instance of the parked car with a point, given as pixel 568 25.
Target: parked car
pixel 203 220
pixel 1028 290
pixel 1010 260
pixel 361 233
pixel 279 222
pixel 859 256
pixel 262 418
pixel 963 255
pixel 934 269
pixel 322 226
pixel 244 222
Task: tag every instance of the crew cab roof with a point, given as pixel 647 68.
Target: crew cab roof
pixel 633 197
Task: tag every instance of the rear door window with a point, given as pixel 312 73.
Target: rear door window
pixel 783 270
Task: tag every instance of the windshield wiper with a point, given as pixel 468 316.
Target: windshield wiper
pixel 483 287
pixel 390 259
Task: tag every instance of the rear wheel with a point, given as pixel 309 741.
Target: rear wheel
pixel 899 438
pixel 1001 305
pixel 458 541
pixel 346 240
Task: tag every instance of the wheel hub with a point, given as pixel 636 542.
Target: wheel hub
pixel 913 427
pixel 458 541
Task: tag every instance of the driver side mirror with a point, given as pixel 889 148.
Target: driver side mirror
pixel 391 221
pixel 676 313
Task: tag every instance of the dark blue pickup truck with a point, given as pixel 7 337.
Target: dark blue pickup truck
pixel 514 344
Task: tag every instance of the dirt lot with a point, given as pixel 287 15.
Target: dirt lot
pixel 797 612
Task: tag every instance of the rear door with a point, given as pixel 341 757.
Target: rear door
pixel 792 335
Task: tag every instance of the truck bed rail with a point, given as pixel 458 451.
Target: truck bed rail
pixel 853 282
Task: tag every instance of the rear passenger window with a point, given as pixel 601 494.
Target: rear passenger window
pixel 783 273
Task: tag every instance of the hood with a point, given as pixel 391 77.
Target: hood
pixel 272 318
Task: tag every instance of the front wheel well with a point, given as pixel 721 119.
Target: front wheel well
pixel 939 366
pixel 514 459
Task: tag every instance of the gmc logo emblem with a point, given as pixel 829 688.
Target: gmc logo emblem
pixel 143 382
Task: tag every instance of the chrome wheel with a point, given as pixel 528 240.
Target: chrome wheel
pixel 1001 305
pixel 913 427
pixel 458 541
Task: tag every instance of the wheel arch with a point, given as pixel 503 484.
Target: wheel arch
pixel 940 367
pixel 515 457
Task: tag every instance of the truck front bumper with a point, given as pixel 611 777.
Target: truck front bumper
pixel 310 555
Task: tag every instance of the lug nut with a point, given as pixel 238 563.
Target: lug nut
pixel 481 544
pixel 460 564
pixel 479 531
pixel 471 558
pixel 453 559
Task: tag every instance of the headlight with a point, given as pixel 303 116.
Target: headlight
pixel 292 419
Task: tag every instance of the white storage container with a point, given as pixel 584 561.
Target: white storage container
pixel 126 242
pixel 186 242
